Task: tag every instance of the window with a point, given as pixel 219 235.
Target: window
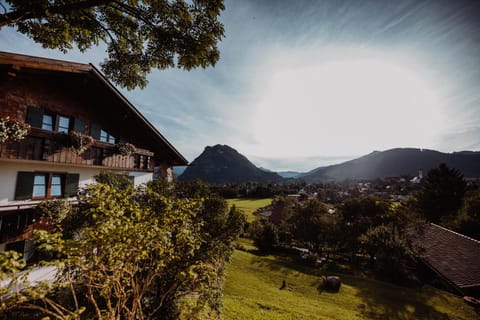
pixel 103 136
pixel 106 137
pixel 56 186
pixel 37 118
pixel 39 186
pixel 47 122
pixel 63 124
pixel 44 185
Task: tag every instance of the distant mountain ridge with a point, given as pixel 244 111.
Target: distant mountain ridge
pixel 395 163
pixel 223 164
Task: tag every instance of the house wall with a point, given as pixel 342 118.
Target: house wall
pixel 9 170
pixel 76 96
pixel 51 93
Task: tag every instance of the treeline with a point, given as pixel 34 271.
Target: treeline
pixel 362 231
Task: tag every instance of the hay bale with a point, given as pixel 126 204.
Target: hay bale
pixel 330 283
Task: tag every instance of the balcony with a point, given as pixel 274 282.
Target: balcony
pixel 54 147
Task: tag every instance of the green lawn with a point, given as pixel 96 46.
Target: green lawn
pixel 248 206
pixel 252 292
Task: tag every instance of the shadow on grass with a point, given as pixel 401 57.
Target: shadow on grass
pixel 379 300
pixel 283 261
pixel 388 302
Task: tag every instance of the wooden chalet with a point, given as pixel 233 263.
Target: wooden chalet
pixel 66 103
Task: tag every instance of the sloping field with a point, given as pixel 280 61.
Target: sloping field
pixel 248 206
pixel 253 292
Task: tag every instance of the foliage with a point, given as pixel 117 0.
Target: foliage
pixel 441 194
pixel 138 254
pixel 11 263
pixel 467 221
pixel 55 210
pixel 80 142
pixel 264 234
pixel 125 149
pixel 12 130
pixel 358 215
pixel 390 252
pixel 313 226
pixel 140 34
pixel 118 181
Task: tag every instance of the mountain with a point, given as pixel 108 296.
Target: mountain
pixel 223 164
pixel 178 170
pixel 394 163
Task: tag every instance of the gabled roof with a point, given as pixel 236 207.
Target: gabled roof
pixel 452 255
pixel 19 61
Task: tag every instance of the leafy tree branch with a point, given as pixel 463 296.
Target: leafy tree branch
pixel 140 35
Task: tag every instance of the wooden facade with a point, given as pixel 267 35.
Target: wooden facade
pixel 61 100
pixel 55 148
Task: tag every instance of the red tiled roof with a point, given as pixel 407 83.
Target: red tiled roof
pixel 454 256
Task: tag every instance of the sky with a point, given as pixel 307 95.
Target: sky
pixel 302 84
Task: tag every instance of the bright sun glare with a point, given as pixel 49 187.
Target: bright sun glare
pixel 345 107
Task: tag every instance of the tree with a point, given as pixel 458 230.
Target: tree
pixel 313 226
pixel 467 220
pixel 441 193
pixel 264 234
pixel 390 252
pixel 135 256
pixel 358 215
pixel 140 34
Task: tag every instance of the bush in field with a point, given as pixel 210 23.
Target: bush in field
pixel 264 234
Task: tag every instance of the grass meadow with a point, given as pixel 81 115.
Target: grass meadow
pixel 248 206
pixel 252 291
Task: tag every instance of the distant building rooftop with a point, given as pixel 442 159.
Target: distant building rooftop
pixel 451 255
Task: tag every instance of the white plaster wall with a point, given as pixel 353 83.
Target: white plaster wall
pixel 8 176
pixel 141 177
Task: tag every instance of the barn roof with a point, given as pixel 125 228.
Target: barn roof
pixel 452 255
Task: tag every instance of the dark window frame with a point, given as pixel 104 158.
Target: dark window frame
pixel 36 118
pixel 48 185
pixel 25 182
pixel 106 137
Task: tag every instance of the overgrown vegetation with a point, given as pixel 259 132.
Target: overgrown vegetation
pixel 159 252
pixel 125 253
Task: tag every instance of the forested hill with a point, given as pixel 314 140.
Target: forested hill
pixel 222 164
pixel 395 163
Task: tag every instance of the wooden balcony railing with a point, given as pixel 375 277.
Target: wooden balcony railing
pixel 55 147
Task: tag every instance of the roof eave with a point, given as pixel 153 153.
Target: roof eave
pixel 180 158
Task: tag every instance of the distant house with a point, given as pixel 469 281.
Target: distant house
pixel 453 258
pixel 80 125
